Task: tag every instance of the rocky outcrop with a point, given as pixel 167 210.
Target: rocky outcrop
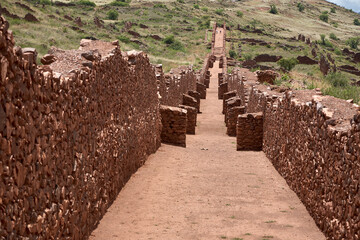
pixel 267 76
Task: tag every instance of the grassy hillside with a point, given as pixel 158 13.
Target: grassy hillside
pixel 187 22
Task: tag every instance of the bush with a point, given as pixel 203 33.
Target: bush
pixel 205 9
pixel 169 39
pixel 124 39
pixel 196 6
pixel 324 17
pixel 273 9
pixel 112 14
pixel 337 51
pixel 86 3
pixel 239 14
pixel 119 4
pixel 353 42
pixel 333 36
pixel 248 56
pixel 288 64
pixel 180 1
pixel 219 11
pixel 333 10
pixel 337 79
pixel 176 45
pixel 301 7
pixel 322 37
pixel 356 22
pixel 232 54
pixel 159 5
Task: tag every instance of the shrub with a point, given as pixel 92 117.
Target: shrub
pixel 205 9
pixel 180 1
pixel 301 7
pixel 356 22
pixel 273 9
pixel 159 5
pixel 288 64
pixel 232 54
pixel 219 11
pixel 124 39
pixel 176 45
pixel 119 4
pixel 112 14
pixel 335 24
pixel 324 17
pixel 248 56
pixel 86 3
pixel 196 6
pixel 333 10
pixel 333 36
pixel 348 92
pixel 169 39
pixel 353 42
pixel 239 14
pixel 337 51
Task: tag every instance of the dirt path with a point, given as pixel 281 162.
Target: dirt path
pixel 207 191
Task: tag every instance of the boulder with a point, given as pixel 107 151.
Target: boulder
pixel 48 59
pixel 249 63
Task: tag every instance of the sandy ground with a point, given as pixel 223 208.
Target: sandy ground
pixel 207 191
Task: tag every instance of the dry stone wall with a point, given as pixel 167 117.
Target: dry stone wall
pixel 249 132
pixel 73 132
pixel 314 143
pixel 174 125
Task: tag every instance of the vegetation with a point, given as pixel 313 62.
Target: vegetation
pixel 86 3
pixel 273 9
pixel 301 7
pixel 112 14
pixel 232 54
pixel 333 10
pixel 124 39
pixel 288 64
pixel 353 42
pixel 219 11
pixel 119 4
pixel 239 13
pixel 356 22
pixel 196 6
pixel 333 36
pixel 324 17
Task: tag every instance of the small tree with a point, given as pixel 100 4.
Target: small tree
pixel 273 9
pixel 288 64
pixel 322 36
pixel 301 7
pixel 112 15
pixel 333 10
pixel 324 17
pixel 356 22
pixel 239 13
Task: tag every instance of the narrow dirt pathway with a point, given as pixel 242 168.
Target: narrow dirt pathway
pixel 207 191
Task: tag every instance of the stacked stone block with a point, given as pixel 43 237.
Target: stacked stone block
pixel 223 88
pixel 174 125
pixel 201 88
pixel 189 101
pixel 195 95
pixel 191 118
pixel 233 114
pixel 226 96
pixel 230 103
pixel 249 132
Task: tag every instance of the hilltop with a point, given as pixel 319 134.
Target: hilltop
pixel 176 32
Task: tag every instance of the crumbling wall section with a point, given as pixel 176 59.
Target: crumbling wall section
pixel 70 142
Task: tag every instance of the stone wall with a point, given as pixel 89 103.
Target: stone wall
pixel 191 118
pixel 232 118
pixel 174 125
pixel 249 132
pixel 313 141
pixel 70 140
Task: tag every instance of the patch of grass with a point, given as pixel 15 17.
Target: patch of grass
pixel 205 9
pixel 223 237
pixel 270 221
pixel 219 11
pixel 160 5
pixel 333 36
pixel 196 6
pixel 237 238
pixel 86 3
pixel 119 4
pixel 124 39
